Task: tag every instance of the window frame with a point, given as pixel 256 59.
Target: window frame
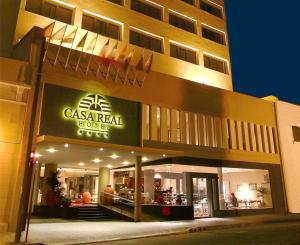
pixel 147 34
pixel 212 29
pixel 185 48
pixel 151 5
pixel 184 18
pixel 224 61
pixel 212 5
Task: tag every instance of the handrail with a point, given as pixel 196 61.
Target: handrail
pixel 119 197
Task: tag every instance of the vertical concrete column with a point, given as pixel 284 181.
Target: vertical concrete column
pixel 36 185
pixel 149 182
pixel 77 16
pixel 188 188
pixel 86 183
pixel 138 190
pixel 221 192
pixel 49 168
pixel 104 174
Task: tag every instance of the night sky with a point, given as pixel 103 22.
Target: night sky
pixel 264 40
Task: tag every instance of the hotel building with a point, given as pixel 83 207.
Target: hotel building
pixel 138 95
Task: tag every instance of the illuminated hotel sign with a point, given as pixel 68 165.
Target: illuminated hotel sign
pixel 76 114
pixel 93 116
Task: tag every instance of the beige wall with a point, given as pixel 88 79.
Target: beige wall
pixel 288 116
pixel 162 63
pixel 13 97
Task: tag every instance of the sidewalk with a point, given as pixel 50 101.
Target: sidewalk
pixel 65 232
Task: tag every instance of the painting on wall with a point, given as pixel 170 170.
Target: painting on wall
pixel 253 186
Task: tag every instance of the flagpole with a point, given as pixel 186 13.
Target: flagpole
pixel 88 65
pixel 55 60
pixel 67 61
pixel 47 42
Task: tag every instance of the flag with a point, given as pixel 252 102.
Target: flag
pixel 140 64
pixel 128 59
pixel 148 63
pixel 122 54
pixel 70 37
pixel 48 30
pixel 112 53
pixel 82 41
pixel 92 44
pixel 104 49
pixel 59 34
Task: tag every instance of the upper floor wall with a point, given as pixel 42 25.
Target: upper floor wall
pixel 211 65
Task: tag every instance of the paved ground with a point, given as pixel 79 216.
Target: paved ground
pixel 58 231
pixel 275 234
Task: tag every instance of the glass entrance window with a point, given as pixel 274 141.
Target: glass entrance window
pixel 200 198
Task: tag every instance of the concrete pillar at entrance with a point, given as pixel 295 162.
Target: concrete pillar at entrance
pixel 49 168
pixel 149 183
pixel 221 192
pixel 187 185
pixel 104 174
pixel 138 189
pixel 36 184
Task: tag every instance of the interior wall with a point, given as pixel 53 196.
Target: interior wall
pixel 257 177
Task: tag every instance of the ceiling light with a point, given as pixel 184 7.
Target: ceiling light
pixel 132 152
pixel 67 145
pixel 164 155
pixel 37 155
pixel 96 160
pixel 101 149
pixel 145 159
pixel 156 169
pixel 51 150
pixel 114 156
pixel 109 166
pixel 81 164
pixel 192 168
pixel 125 163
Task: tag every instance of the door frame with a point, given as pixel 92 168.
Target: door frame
pixel 212 190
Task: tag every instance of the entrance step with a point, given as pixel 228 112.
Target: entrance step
pixel 92 213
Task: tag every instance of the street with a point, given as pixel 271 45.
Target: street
pixel 275 234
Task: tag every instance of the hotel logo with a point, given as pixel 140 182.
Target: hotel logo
pixel 93 116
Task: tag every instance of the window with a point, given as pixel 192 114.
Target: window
pixel 214 10
pixel 119 2
pixel 50 10
pixel 145 41
pixel 215 64
pixel 213 35
pixel 296 133
pixel 101 27
pixel 146 9
pixel 191 2
pixel 181 23
pixel 183 54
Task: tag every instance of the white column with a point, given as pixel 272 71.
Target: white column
pixel 104 174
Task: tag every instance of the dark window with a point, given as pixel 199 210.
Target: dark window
pixel 181 23
pixel 183 54
pixel 50 10
pixel 215 64
pixel 145 41
pixel 213 35
pixel 214 10
pixel 191 2
pixel 101 27
pixel 296 133
pixel 146 9
pixel 119 2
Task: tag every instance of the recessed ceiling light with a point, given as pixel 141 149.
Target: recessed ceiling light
pixel 114 156
pixel 37 155
pixel 37 162
pixel 109 166
pixel 192 168
pixel 101 149
pixel 156 169
pixel 67 145
pixel 145 159
pixel 51 150
pixel 81 164
pixel 164 155
pixel 96 160
pixel 125 163
pixel 132 152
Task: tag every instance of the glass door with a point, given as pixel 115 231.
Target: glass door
pixel 201 199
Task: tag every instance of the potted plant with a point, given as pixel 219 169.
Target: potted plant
pixel 53 196
pixel 261 191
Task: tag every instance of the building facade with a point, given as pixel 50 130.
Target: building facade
pixel 136 94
